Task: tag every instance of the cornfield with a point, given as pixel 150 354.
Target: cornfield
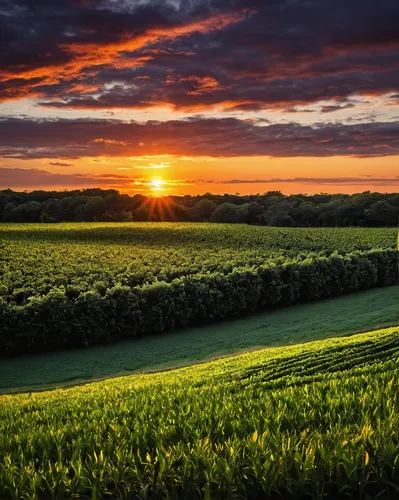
pixel 295 422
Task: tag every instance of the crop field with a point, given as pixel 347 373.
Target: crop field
pixel 338 317
pixel 88 255
pixel 304 421
pixel 69 285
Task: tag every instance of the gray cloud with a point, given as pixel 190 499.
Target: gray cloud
pixel 226 137
pixel 21 178
pixel 239 54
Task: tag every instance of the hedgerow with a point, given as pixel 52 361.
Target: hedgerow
pixel 65 318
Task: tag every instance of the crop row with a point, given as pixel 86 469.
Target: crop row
pixel 296 422
pixel 67 318
pixel 37 259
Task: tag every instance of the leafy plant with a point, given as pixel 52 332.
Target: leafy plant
pixel 70 285
pixel 298 422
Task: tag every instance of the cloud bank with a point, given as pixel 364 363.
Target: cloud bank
pixel 20 178
pixel 198 54
pixel 224 137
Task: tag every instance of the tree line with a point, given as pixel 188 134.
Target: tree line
pixel 369 209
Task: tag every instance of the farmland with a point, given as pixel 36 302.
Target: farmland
pixel 323 319
pixel 70 285
pixel 292 422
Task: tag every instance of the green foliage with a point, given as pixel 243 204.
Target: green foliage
pixel 318 320
pixel 270 209
pixel 73 285
pixel 299 422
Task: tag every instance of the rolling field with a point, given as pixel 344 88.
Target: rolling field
pixel 310 417
pixel 289 422
pixel 323 319
pixel 70 285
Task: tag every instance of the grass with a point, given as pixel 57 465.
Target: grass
pixel 311 421
pixel 294 325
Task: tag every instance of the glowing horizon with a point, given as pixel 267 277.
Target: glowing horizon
pixel 185 95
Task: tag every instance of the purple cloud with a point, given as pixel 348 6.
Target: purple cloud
pixel 226 137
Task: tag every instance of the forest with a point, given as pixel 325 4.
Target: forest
pixel 367 209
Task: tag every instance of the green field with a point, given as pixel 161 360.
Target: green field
pixel 74 285
pixel 297 422
pixel 38 258
pixel 315 415
pixel 293 325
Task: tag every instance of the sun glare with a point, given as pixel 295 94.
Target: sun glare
pixel 156 184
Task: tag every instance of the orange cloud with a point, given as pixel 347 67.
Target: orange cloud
pixel 82 88
pixel 110 142
pixel 90 56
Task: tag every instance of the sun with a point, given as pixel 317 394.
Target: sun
pixel 156 184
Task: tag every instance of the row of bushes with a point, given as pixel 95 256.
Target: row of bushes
pixel 58 320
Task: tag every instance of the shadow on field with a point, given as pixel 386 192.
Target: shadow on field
pixel 341 316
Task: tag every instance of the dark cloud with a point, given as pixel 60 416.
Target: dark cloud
pixel 187 92
pixel 331 108
pixel 227 137
pixel 234 54
pixel 51 49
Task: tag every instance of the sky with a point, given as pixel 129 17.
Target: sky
pixel 196 96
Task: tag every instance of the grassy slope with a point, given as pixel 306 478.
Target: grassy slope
pixel 288 422
pixel 348 314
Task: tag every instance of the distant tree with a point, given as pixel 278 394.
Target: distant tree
pixel 178 212
pixel 272 208
pixel 226 212
pixel 282 220
pixel 381 214
pixel 126 216
pixel 94 208
pixel 253 213
pixel 9 214
pixel 203 210
pixel 141 214
pixel 306 214
pixel 26 212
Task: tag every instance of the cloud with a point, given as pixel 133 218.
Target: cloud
pixel 225 54
pixel 369 180
pixel 229 92
pixel 60 164
pixel 96 38
pixel 332 108
pixel 21 178
pixel 212 137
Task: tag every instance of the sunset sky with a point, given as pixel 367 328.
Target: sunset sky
pixel 195 96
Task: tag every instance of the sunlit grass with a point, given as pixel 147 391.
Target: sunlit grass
pixel 310 421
